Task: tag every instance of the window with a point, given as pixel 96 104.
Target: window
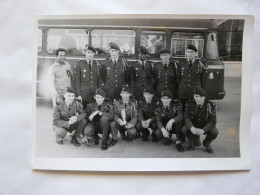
pixel 73 40
pixel 125 39
pixel 180 41
pixel 153 41
pixel 230 39
pixel 39 40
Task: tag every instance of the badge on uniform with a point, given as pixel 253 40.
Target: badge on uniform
pixel 211 76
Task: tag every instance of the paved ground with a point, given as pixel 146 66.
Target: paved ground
pixel 226 144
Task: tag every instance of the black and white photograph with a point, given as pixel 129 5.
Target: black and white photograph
pixel 142 90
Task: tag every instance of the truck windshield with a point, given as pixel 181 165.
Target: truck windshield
pixel 212 47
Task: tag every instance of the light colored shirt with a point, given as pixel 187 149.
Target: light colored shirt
pixel 60 77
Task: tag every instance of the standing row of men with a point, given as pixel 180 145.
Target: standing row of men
pixel 179 78
pixel 164 81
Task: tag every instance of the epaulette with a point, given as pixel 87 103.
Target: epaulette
pixel 211 107
pixel 190 100
pixel 78 105
pixel 107 59
pixel 108 105
pixel 98 63
pixel 80 61
pixel 178 103
pixel 125 62
pixel 133 62
pixel 202 65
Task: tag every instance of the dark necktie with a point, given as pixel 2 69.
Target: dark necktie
pixel 149 104
pixel 167 109
pixel 165 66
pixel 143 65
pixel 90 63
pixel 190 63
pixel 69 109
pixel 125 105
pixel 115 63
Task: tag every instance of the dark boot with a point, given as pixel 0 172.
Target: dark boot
pixel 74 141
pixel 155 139
pixel 168 142
pixel 104 146
pixel 112 143
pixel 179 147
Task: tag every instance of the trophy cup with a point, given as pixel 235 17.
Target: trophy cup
pixel 123 116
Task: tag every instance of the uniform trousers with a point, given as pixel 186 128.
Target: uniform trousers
pixel 61 132
pixel 131 132
pixel 101 126
pixel 210 136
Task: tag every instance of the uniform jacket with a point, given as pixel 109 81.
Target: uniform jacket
pixel 62 113
pixel 163 116
pixel 204 118
pixel 165 79
pixel 114 77
pixel 189 78
pixel 87 79
pixel 106 109
pixel 140 78
pixel 60 77
pixel 131 110
pixel 145 112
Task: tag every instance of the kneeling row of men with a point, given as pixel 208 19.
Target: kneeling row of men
pixel 147 117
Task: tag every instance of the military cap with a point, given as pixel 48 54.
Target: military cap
pixel 192 47
pixel 166 93
pixel 70 90
pixel 126 88
pixel 101 92
pixel 143 50
pixel 148 90
pixel 89 47
pixel 114 46
pixel 200 91
pixel 165 50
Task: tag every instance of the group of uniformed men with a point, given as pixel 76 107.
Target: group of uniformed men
pixel 143 98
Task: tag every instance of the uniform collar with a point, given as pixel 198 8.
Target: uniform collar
pixel 142 61
pixel 121 102
pixel 114 60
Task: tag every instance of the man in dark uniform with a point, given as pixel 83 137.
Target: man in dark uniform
pixel 125 117
pixel 115 73
pixel 200 118
pixel 146 118
pixel 165 74
pixel 169 117
pixel 69 116
pixel 87 76
pixel 190 74
pixel 141 74
pixel 99 115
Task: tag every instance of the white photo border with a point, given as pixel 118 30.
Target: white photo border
pixel 151 164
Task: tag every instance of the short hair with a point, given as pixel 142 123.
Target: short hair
pixel 60 49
